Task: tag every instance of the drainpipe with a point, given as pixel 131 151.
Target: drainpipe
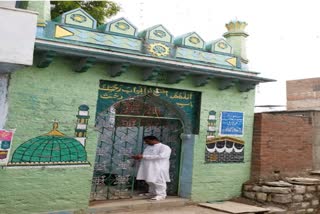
pixel 236 37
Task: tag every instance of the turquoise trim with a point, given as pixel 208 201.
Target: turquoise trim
pixel 157 33
pixel 119 26
pixel 195 55
pixel 85 36
pixel 133 59
pixel 84 19
pixel 215 48
pixel 190 40
pixel 120 36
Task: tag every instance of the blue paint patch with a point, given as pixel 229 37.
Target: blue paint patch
pixel 231 123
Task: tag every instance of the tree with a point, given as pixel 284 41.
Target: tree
pixel 100 10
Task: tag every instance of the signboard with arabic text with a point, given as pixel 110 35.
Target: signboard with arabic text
pixel 231 123
pixel 111 92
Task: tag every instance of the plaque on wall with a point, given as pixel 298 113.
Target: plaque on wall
pixel 231 123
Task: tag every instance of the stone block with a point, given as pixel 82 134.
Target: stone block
pixel 279 184
pixel 301 211
pixel 295 206
pixel 256 188
pixel 303 181
pixel 282 198
pixel 315 202
pixel 305 204
pixel 280 190
pixel 297 198
pixel 276 210
pixel 310 210
pixel 251 195
pixel 247 187
pixel 311 189
pixel 300 189
pixel 308 196
pixel 290 212
pixel 261 196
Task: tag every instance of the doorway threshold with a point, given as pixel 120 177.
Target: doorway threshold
pixel 138 203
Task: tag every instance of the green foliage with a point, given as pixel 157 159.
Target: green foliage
pixel 100 10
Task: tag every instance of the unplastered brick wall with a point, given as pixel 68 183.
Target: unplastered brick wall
pixel 282 145
pixel 303 94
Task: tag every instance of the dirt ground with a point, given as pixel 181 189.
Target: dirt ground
pixel 192 209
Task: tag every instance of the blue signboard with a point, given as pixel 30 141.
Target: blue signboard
pixel 231 123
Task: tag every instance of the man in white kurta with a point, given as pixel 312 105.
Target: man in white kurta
pixel 154 167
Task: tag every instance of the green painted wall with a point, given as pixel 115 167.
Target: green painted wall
pixel 220 181
pixel 38 96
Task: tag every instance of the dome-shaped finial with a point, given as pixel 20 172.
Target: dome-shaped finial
pixel 236 26
pixel 236 37
pixel 54 131
pixel 55 125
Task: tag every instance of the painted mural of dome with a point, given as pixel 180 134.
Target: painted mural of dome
pixel 51 148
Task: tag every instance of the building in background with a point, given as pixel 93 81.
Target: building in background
pixel 303 94
pixel 18 31
pixel 286 151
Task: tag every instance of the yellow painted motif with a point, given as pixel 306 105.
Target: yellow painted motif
pixel 54 131
pixel 159 49
pixel 232 61
pixel 222 45
pixel 232 139
pixel 61 32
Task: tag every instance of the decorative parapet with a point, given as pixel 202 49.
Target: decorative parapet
pixel 77 17
pixel 190 40
pixel 219 46
pixel 157 33
pixel 154 49
pixel 120 26
pixel 78 27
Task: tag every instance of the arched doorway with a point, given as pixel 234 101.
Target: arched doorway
pixel 122 128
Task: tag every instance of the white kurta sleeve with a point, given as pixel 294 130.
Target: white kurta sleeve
pixel 164 153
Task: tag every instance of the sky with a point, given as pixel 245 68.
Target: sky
pixel 283 42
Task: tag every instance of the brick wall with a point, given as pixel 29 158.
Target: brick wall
pixel 282 144
pixel 303 94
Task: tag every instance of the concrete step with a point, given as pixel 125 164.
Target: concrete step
pixel 235 207
pixel 276 210
pixel 129 205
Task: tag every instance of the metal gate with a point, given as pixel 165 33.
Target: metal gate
pixel 122 129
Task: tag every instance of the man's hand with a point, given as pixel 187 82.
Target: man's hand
pixel 137 157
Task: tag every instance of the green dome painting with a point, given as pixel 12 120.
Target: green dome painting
pixel 50 149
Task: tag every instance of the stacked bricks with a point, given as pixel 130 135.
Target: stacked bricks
pixel 282 146
pixel 296 195
pixel 303 94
